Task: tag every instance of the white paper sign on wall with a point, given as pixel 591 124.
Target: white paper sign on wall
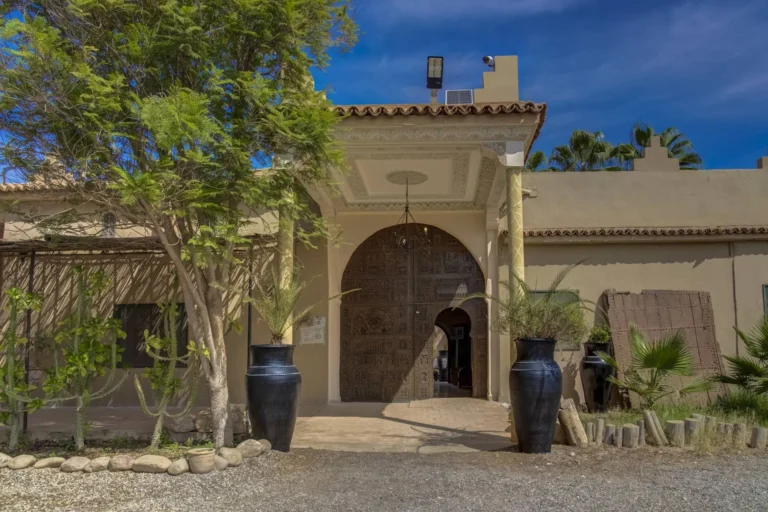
pixel 312 331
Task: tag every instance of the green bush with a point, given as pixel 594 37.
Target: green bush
pixel 750 373
pixel 599 334
pixel 652 363
pixel 745 403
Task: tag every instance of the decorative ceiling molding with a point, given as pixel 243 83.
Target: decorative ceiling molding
pixel 407 177
pixel 485 180
pixel 484 134
pixel 459 174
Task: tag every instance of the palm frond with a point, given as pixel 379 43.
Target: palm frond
pixel 746 367
pixel 669 355
pixel 700 386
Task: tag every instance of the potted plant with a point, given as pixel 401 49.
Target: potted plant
pixel 273 382
pixel 537 321
pixel 595 372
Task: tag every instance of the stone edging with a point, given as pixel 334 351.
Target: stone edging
pixel 226 457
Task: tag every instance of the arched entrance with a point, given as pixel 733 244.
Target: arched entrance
pixel 386 354
pixel 454 360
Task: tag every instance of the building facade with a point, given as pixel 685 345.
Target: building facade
pixel 411 323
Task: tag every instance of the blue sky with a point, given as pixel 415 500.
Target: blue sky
pixel 701 66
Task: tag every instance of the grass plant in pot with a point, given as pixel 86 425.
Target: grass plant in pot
pixel 537 320
pixel 596 373
pixel 273 382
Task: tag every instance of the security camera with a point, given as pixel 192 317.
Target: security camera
pixel 488 61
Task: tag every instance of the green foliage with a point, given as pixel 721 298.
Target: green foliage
pixel 745 403
pixel 525 313
pixel 585 151
pixel 15 397
pixel 277 304
pixel 599 334
pixel 537 162
pixel 165 385
pixel 678 146
pixel 588 151
pixel 653 362
pixel 750 373
pixel 85 348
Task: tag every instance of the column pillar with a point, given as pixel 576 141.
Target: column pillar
pixel 491 289
pixel 515 225
pixel 334 309
pixel 512 156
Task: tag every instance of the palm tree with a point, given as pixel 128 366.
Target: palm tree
pixel 677 144
pixel 652 363
pixel 586 151
pixel 537 162
pixel 750 373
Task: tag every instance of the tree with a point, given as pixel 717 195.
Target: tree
pixel 537 162
pixel 585 151
pixel 750 373
pixel 85 347
pixel 677 144
pixel 164 351
pixel 653 362
pixel 160 111
pixel 15 398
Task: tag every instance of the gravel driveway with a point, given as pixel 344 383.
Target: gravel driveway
pixel 596 479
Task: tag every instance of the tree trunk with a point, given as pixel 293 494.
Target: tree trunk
pixel 222 436
pixel 285 264
pixel 79 424
pixel 16 427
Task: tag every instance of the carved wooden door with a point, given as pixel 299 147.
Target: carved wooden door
pixel 386 325
pixel 377 323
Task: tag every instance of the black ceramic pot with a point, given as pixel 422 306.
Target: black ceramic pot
pixel 273 384
pixel 594 377
pixel 535 386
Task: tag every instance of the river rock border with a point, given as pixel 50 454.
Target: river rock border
pixel 226 458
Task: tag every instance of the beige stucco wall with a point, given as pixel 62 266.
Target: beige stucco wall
pixel 750 266
pixel 646 199
pixel 712 267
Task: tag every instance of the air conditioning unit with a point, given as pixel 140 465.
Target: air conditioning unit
pixel 459 97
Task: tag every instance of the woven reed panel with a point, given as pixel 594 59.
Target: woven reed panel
pixel 659 313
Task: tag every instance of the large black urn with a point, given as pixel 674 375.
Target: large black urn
pixel 594 377
pixel 535 386
pixel 273 385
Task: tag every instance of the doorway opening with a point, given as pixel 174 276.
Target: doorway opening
pixel 452 354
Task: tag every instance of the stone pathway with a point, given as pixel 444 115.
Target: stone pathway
pixel 423 426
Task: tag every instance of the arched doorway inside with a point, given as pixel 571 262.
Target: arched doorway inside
pixel 453 354
pixel 386 326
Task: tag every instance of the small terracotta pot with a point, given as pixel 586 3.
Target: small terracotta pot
pixel 201 460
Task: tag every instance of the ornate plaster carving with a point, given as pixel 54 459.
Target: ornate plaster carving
pixel 459 173
pixel 435 133
pixel 407 177
pixel 485 179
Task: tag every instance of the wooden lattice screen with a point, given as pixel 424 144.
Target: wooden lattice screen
pixel 660 313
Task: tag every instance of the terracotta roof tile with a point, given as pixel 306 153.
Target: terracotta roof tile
pixel 30 187
pixel 672 231
pixel 517 107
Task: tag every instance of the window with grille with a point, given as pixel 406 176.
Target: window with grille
pixel 135 319
pixel 108 225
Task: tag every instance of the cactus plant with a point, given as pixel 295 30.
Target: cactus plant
pixel 14 390
pixel 88 344
pixel 162 377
